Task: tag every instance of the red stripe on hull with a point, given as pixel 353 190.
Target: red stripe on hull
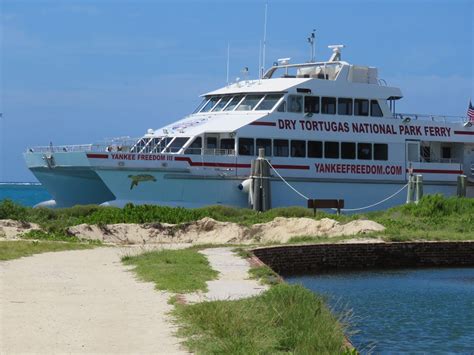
pixel 291 167
pixel 211 164
pixel 467 133
pixel 272 124
pixel 234 165
pixel 97 156
pixel 436 171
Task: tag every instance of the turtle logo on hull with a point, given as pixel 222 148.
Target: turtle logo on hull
pixel 140 178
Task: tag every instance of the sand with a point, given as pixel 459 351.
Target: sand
pixel 10 229
pixel 233 282
pixel 81 302
pixel 208 230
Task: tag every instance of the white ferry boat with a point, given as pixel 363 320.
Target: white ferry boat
pixel 329 129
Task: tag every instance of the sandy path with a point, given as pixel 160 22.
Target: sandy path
pixel 233 281
pixel 81 302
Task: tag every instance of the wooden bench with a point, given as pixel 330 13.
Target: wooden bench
pixel 317 203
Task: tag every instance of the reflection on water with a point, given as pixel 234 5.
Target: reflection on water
pixel 426 310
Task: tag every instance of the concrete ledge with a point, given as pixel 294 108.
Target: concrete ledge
pixel 293 259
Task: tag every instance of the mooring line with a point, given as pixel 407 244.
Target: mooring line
pixel 342 209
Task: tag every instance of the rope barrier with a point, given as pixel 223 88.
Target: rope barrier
pixel 342 209
pixel 286 182
pixel 375 204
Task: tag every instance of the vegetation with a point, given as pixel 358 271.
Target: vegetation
pixel 19 248
pixel 179 271
pixel 285 319
pixel 265 275
pixel 434 218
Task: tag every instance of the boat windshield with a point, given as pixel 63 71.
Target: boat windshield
pixel 268 102
pixel 210 104
pixel 249 103
pixel 222 103
pixel 234 102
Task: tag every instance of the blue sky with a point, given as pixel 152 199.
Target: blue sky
pixel 79 71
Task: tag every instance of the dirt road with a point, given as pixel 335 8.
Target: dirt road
pixel 81 302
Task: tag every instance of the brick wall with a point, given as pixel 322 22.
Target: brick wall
pixel 310 258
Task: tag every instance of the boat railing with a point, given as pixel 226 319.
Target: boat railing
pixel 407 117
pixel 128 147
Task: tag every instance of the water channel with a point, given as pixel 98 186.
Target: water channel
pixel 415 310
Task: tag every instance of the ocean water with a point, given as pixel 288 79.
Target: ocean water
pixel 27 194
pixel 399 311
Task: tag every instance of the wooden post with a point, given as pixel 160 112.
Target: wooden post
pixel 261 182
pixel 461 190
pixel 411 188
pixel 419 188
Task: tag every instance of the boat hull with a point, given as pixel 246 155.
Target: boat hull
pixel 187 190
pixel 70 181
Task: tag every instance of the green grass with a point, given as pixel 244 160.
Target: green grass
pixel 265 275
pixel 434 218
pixel 179 271
pixel 284 319
pixel 17 249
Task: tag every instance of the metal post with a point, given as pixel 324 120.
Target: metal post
pixel 261 182
pixel 419 188
pixel 461 190
pixel 410 189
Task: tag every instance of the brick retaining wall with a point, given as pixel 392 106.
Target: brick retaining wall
pixel 308 258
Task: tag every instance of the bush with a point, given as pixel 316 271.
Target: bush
pixel 11 210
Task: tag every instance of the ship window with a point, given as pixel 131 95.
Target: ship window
pixel 380 151
pixel 268 102
pixel 177 144
pixel 328 105
pixel 194 147
pixel 331 150
pixel 344 107
pixel 139 145
pixel 265 144
pixel 211 143
pixel 298 149
pixel 348 150
pixel 364 151
pixel 228 143
pixel 315 149
pixel 151 145
pixel 280 148
pixel 446 152
pixel 375 109
pixel 234 102
pixel 361 107
pixel 311 104
pixel 249 103
pixel 201 105
pixel 246 146
pixel 210 104
pixel 282 106
pixel 221 104
pixel 295 103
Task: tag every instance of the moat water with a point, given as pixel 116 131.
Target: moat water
pixel 393 311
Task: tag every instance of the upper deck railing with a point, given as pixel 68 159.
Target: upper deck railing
pixel 428 117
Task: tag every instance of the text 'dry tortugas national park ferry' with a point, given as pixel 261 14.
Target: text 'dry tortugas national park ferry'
pixel 329 129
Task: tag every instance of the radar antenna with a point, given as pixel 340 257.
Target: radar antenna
pixel 311 41
pixel 336 52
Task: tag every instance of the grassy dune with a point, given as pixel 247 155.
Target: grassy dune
pixel 434 218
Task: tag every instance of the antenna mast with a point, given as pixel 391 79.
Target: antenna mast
pixel 228 61
pixel 264 41
pixel 311 41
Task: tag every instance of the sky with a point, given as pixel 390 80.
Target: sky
pixel 74 72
